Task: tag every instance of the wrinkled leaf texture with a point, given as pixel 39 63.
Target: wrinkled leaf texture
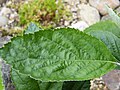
pixel 109 33
pixel 24 82
pixel 58 55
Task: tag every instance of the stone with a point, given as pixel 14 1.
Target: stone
pixel 72 2
pixel 4 40
pixel 118 10
pixel 112 80
pixel 14 16
pixel 74 15
pixel 106 17
pixel 81 25
pixel 66 23
pixel 5 11
pixel 89 14
pixel 7 77
pixel 100 5
pixel 0 33
pixel 83 1
pixel 2 1
pixel 3 21
pixel 98 84
pixel 74 9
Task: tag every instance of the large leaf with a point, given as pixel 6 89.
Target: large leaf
pixel 50 85
pixel 23 82
pixel 20 78
pixel 59 55
pixel 107 25
pixel 69 85
pixel 109 33
pixel 76 85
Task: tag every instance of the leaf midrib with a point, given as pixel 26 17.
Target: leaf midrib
pixel 90 60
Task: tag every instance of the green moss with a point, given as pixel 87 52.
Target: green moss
pixel 47 13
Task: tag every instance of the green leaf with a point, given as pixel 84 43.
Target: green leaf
pixel 1 80
pixel 109 33
pixel 76 85
pixel 107 25
pixel 23 82
pixel 59 55
pixel 114 16
pixel 50 85
pixel 32 28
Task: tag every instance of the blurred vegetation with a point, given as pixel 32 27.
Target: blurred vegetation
pixel 47 13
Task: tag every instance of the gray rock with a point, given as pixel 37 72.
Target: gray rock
pixel 106 17
pixel 5 67
pixel 4 40
pixel 89 14
pixel 118 10
pixel 5 11
pixel 66 23
pixel 83 1
pixel 100 4
pixel 6 77
pixel 81 25
pixel 112 80
pixel 72 2
pixel 2 1
pixel 3 21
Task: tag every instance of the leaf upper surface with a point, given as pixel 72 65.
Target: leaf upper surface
pixel 23 82
pixel 76 85
pixel 50 85
pixel 109 33
pixel 59 55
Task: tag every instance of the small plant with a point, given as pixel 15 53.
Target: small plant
pixel 46 12
pixel 63 59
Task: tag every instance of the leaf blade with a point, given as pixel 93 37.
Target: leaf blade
pixel 50 85
pixel 109 33
pixel 23 82
pixel 62 55
pixel 76 85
